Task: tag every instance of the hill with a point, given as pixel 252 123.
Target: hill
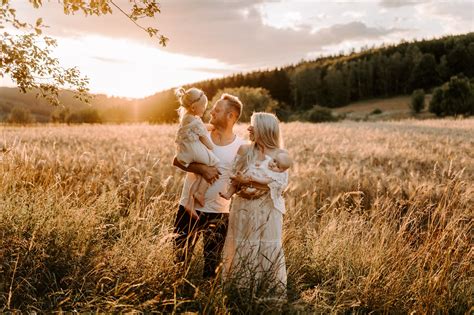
pixel 397 107
pixel 330 81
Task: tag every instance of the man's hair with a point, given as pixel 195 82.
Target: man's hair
pixel 233 103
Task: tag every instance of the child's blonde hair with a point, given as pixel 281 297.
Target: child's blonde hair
pixel 189 97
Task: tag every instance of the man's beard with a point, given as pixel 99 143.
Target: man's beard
pixel 219 123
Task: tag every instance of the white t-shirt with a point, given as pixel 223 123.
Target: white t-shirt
pixel 213 202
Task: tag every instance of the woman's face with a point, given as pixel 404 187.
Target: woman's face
pixel 251 133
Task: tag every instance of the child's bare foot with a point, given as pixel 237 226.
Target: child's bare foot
pixel 189 207
pixel 225 195
pixel 199 198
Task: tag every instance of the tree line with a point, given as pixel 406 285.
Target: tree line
pixel 328 82
pixel 336 81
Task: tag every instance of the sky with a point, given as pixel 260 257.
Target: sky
pixel 215 38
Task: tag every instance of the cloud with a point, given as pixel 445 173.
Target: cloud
pixel 220 71
pixel 225 34
pixel 462 10
pixel 212 29
pixel 399 3
pixel 110 60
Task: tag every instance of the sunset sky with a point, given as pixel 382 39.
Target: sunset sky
pixel 214 38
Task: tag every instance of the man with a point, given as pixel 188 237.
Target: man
pixel 211 219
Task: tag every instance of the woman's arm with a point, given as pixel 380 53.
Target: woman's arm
pixel 247 180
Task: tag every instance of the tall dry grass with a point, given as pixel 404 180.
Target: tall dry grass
pixel 380 218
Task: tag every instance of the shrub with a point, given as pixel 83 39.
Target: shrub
pixel 88 116
pixel 458 96
pixel 20 115
pixel 436 103
pixel 319 114
pixel 60 115
pixel 455 97
pixel 417 100
pixel 376 111
pixel 254 100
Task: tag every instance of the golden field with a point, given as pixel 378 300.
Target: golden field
pixel 379 218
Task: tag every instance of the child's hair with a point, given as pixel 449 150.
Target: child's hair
pixel 189 97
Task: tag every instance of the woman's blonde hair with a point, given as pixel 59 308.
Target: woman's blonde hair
pixel 187 98
pixel 266 129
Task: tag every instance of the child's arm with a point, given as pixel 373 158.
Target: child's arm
pixel 205 140
pixel 232 189
pixel 248 180
pixel 209 127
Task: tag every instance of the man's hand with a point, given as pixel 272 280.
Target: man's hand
pixel 209 173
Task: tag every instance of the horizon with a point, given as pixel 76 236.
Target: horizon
pixel 345 53
pixel 108 56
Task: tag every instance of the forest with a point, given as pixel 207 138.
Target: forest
pixel 328 82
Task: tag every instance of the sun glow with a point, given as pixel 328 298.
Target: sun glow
pixel 126 68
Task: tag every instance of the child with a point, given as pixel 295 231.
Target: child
pixel 261 175
pixel 193 143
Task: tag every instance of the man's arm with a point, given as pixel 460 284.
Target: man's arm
pixel 209 173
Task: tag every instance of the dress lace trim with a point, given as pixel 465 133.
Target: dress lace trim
pixel 191 131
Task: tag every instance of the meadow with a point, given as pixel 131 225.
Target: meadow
pixel 379 218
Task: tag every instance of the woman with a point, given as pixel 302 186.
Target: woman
pixel 253 254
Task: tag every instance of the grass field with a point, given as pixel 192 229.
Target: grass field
pixel 392 108
pixel 379 218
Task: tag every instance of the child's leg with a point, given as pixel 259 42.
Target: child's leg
pixel 200 190
pixel 230 191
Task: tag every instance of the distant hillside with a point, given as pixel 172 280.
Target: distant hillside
pixel 335 81
pixel 42 110
pixel 331 81
pixel 397 107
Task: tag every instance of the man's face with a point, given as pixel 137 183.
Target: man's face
pixel 219 114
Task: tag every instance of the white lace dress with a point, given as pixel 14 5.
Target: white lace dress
pixel 189 148
pixel 253 253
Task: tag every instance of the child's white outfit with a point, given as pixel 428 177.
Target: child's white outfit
pixel 189 148
pixel 260 170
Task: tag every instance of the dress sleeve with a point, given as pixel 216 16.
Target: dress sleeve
pixel 277 187
pixel 199 128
